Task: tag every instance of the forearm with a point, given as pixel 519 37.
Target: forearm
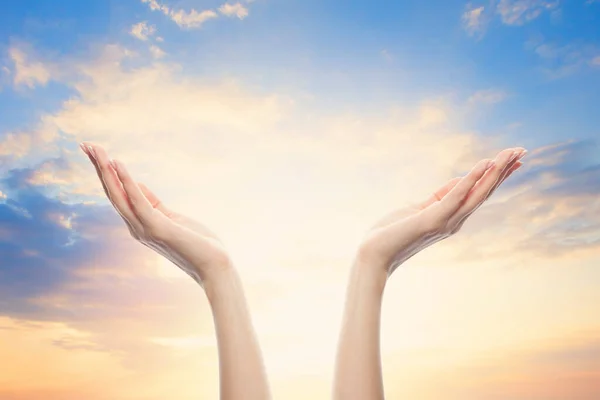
pixel 241 367
pixel 358 363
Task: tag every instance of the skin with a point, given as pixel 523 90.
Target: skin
pixel 389 243
pixel 199 252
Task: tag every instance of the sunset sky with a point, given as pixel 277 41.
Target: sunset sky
pixel 289 127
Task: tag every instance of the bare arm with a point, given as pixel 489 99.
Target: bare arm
pixel 198 252
pixel 392 241
pixel 241 369
pixel 358 366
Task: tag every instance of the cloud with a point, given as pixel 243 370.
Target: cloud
pixel 15 144
pixel 195 19
pixel 204 145
pixel 157 52
pixel 142 30
pixel 474 20
pixel 559 61
pixel 75 264
pixel 27 72
pixel 519 12
pixel 185 19
pixel 18 144
pixel 111 99
pixel 234 10
pixel 557 191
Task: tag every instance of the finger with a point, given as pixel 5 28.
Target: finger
pixel 454 199
pixel 155 202
pixel 116 193
pixel 515 166
pixel 128 217
pixel 139 203
pixel 486 185
pixel 512 169
pixel 440 193
pixel 93 161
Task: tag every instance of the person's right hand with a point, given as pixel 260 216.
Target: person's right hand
pixel 187 243
pixel 406 231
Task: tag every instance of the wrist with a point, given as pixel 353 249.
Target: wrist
pixel 221 282
pixel 369 275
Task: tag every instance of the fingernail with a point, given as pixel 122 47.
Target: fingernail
pixel 113 163
pixel 92 152
pixel 523 153
pixel 83 148
pixel 515 154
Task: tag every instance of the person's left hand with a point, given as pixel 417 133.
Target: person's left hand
pixel 408 230
pixel 187 243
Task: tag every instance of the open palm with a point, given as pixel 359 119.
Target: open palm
pixel 187 243
pixel 408 230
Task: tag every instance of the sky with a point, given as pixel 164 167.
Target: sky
pixel 289 128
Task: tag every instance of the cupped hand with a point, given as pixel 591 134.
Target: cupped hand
pixel 406 231
pixel 187 243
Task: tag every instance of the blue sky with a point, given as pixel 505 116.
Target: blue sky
pixel 323 115
pixel 355 55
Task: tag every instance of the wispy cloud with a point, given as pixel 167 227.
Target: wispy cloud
pixel 563 210
pixel 519 12
pixel 185 19
pixel 194 18
pixel 157 52
pixel 559 61
pixel 234 10
pixel 142 30
pixel 27 71
pixel 474 21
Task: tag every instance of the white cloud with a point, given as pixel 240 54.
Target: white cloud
pixel 511 12
pixel 28 72
pixel 157 52
pixel 185 19
pixel 234 10
pixel 154 5
pixel 519 12
pixel 15 144
pixel 204 145
pixel 473 20
pixel 142 30
pixel 193 18
pixel 153 101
